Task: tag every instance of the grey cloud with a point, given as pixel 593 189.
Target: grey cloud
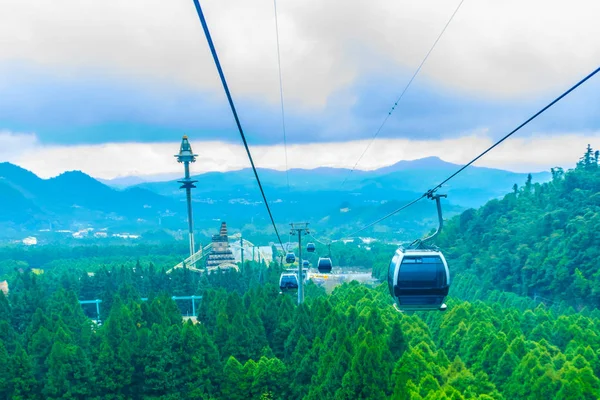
pixel 509 48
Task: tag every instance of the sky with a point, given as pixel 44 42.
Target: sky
pixel 110 87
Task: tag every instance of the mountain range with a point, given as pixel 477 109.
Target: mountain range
pixel 471 188
pixel 71 201
pixel 334 200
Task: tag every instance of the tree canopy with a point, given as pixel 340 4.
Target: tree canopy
pixel 522 320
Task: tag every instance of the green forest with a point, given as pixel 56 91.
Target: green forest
pixel 539 240
pixel 522 319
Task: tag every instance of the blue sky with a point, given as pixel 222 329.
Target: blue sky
pixel 79 77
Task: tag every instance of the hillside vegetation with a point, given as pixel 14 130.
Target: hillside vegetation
pixel 509 332
pixel 255 343
pixel 541 240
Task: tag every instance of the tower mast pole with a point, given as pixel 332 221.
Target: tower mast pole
pixel 188 198
pixel 300 271
pixel 186 156
pixel 300 228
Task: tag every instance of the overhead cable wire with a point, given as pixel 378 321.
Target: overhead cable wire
pixel 534 116
pixel 317 240
pixel 389 114
pixel 396 211
pixel 439 185
pixel 287 175
pixel 233 110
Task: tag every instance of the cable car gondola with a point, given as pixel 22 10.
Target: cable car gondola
pixel 305 263
pixel 288 282
pixel 290 258
pixel 418 276
pixel 324 265
pixel 419 279
pixel 310 247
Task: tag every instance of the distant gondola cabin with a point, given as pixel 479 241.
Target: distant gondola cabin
pixel 288 282
pixel 324 265
pixel 290 258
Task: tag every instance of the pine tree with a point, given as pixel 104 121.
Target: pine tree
pixel 23 383
pixel 415 363
pixel 396 342
pixel 572 387
pixel 39 349
pixel 198 367
pixel 159 364
pixel 492 353
pixel 270 378
pixel 69 371
pixel 235 385
pixel 114 368
pixel 306 359
pixel 588 160
pixel 362 380
pixel 4 372
pixel 428 387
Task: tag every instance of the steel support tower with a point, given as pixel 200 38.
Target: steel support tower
pixel 186 156
pixel 300 228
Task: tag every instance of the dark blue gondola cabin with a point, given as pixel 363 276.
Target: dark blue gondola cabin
pixel 419 280
pixel 290 258
pixel 324 265
pixel 288 282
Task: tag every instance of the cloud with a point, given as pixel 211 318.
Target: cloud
pixel 13 144
pixel 79 72
pixel 110 160
pixel 501 49
pixel 93 109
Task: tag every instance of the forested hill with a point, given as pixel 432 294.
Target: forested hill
pixel 540 241
pixel 253 343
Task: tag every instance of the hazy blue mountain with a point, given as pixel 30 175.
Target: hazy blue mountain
pixel 473 187
pixel 16 206
pixel 73 199
pixel 319 197
pixel 126 181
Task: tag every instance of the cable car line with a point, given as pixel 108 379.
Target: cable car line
pixel 317 240
pixel 233 110
pixel 396 211
pixel 534 116
pixel 287 175
pixel 402 94
pixel 430 192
